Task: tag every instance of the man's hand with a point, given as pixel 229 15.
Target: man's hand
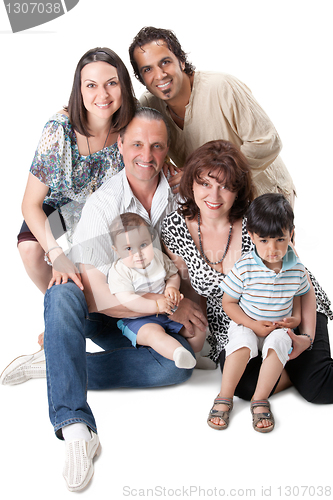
pixel 174 180
pixel 189 313
pixel 169 168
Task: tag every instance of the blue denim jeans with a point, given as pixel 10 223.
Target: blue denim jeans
pixel 71 371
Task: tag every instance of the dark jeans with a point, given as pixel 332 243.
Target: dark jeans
pixel 311 373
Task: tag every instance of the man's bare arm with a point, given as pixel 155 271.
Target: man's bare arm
pixel 100 299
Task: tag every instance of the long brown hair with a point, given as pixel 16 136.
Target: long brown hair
pixel 224 162
pixel 76 110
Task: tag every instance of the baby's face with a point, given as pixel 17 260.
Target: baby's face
pixel 272 250
pixel 135 248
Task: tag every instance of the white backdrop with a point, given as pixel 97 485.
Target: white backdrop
pixel 158 438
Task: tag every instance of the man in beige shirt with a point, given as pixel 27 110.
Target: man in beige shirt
pixel 201 106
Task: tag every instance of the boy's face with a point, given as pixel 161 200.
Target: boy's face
pixel 135 248
pixel 272 250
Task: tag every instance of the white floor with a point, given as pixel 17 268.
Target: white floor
pixel 157 439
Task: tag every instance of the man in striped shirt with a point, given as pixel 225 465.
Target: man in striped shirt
pixel 71 315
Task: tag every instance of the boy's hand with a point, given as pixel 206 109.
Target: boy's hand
pixel 290 322
pixel 263 328
pixel 174 294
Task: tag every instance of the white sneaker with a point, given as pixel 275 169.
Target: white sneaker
pixel 24 368
pixel 79 466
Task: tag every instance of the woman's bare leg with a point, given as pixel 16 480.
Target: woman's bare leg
pixel 37 269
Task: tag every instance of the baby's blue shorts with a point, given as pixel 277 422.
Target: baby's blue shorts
pixel 131 326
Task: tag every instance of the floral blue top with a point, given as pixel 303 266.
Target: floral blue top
pixel 58 164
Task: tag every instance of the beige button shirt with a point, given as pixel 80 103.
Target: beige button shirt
pixel 222 107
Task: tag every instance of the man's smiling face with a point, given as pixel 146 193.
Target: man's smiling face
pixel 144 147
pixel 160 69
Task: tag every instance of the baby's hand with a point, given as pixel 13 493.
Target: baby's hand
pixel 174 294
pixel 165 305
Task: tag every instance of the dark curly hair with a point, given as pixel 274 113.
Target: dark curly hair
pixel 224 162
pixel 150 34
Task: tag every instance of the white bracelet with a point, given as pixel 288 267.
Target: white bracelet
pixel 46 255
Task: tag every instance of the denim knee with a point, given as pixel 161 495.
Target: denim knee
pixel 65 309
pixel 64 295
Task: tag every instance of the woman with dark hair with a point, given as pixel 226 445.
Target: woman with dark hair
pixel 208 233
pixel 206 236
pixel 75 155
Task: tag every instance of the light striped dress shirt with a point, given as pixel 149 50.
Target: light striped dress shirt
pixel 92 241
pixel 262 293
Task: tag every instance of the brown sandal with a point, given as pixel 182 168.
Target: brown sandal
pixel 223 415
pixel 258 417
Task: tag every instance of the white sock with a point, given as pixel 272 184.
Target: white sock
pixel 72 432
pixel 183 358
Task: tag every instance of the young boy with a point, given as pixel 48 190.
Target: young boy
pixel 142 269
pixel 262 294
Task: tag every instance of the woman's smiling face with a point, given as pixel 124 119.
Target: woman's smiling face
pixel 212 197
pixel 100 89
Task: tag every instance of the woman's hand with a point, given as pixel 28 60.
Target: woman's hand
pixel 300 344
pixel 63 269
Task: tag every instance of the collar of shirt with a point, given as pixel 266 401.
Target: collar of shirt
pixel 163 195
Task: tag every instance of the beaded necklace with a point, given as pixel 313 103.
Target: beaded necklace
pixel 201 249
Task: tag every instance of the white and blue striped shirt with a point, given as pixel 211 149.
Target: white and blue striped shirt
pixel 263 294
